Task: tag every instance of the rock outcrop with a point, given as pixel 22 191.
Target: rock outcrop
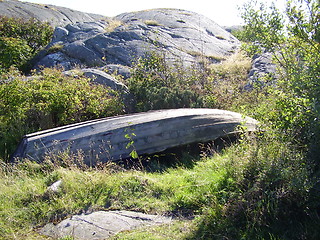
pixel 179 35
pixel 91 40
pixel 55 15
pixel 101 77
pixel 263 71
pixel 101 225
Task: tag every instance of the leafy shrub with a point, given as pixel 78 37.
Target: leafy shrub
pixel 37 34
pixel 271 196
pixel 21 39
pixel 277 174
pixel 157 85
pixel 296 50
pixel 49 99
pixel 13 51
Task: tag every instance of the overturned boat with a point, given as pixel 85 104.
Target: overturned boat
pixel 115 138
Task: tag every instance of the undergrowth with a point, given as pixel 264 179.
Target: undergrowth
pixel 178 192
pixel 49 99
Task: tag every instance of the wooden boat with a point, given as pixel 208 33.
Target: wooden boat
pixel 114 138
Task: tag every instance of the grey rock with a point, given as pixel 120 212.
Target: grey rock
pixel 79 51
pixel 101 77
pixel 104 78
pixel 101 224
pixel 56 16
pixel 55 187
pixel 263 71
pixel 179 35
pixel 60 34
pixel 121 70
pixel 103 140
pixel 58 59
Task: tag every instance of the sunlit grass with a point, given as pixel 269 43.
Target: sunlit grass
pixel 25 202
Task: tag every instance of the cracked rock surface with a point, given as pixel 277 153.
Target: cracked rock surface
pixel 178 34
pixel 263 71
pixel 101 224
pixel 56 16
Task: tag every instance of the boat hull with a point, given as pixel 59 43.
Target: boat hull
pixel 111 139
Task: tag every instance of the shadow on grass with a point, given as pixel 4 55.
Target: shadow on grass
pixel 185 156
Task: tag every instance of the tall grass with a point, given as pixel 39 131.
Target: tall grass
pixel 26 203
pixel 272 195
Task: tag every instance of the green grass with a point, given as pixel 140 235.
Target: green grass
pixel 247 191
pixel 179 229
pixel 25 204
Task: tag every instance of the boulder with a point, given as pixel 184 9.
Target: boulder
pixel 101 224
pixel 55 187
pixel 177 34
pixel 262 72
pixel 105 79
pixel 121 70
pixel 98 76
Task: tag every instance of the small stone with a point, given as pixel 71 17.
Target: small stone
pixel 55 187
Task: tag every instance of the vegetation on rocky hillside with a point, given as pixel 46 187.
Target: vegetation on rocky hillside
pixel 46 100
pixel 20 40
pixel 265 186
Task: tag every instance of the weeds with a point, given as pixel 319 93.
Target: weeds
pixel 112 25
pixel 48 100
pixel 268 194
pixel 153 23
pixel 177 191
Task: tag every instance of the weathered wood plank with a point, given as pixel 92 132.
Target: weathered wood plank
pixel 154 131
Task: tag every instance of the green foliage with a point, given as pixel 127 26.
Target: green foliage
pixel 20 40
pixel 264 27
pixel 34 32
pixel 277 180
pixel 295 99
pixel 157 85
pixel 48 99
pixel 25 203
pixel 13 51
pixel 272 195
pixel 176 230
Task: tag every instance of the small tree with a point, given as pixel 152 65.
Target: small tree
pixel 277 194
pixel 293 39
pixel 13 51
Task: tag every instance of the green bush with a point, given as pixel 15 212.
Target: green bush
pixel 272 195
pixel 13 51
pixel 276 175
pixel 20 40
pixel 156 84
pixel 49 99
pixel 296 49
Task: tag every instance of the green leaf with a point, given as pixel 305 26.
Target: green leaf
pixel 134 154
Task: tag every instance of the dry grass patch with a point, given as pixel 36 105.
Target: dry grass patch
pixel 236 63
pixel 227 80
pixel 152 23
pixel 112 25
